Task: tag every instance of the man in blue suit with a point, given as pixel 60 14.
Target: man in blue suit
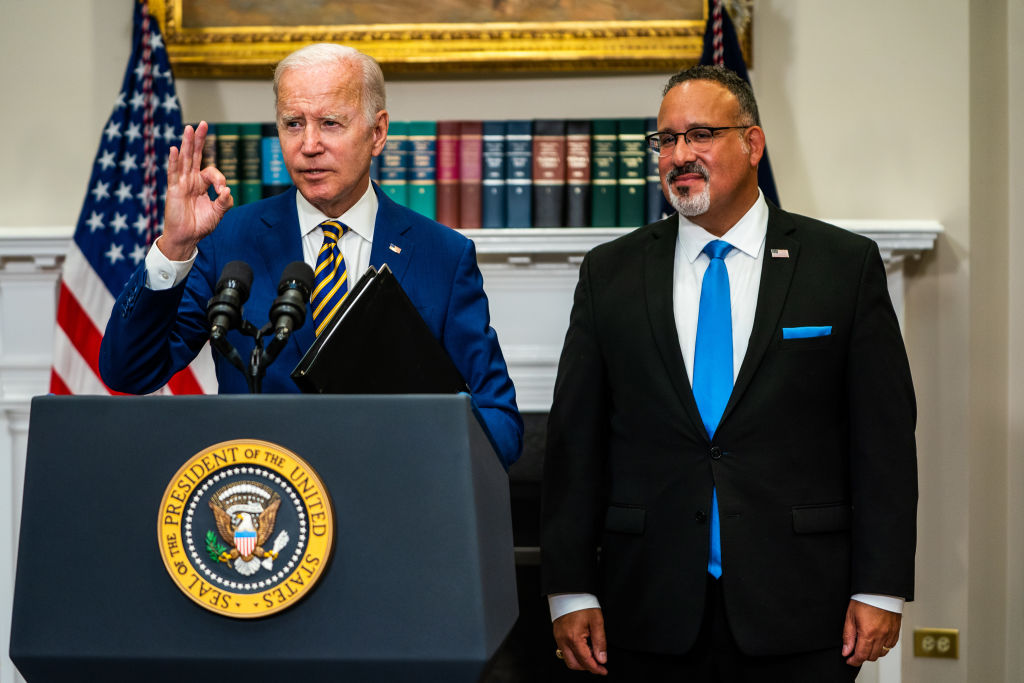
pixel 331 121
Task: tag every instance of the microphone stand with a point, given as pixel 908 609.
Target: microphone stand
pixel 260 358
pixel 253 375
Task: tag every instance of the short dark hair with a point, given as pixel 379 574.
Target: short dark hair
pixel 728 79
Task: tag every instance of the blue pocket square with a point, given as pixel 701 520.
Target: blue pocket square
pixel 806 332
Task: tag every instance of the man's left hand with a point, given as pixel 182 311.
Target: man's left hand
pixel 869 632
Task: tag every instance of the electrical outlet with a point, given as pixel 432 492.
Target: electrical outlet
pixel 937 642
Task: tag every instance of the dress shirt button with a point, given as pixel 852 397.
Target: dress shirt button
pixel 700 517
pixel 716 452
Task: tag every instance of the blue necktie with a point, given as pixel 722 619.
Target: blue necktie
pixel 712 365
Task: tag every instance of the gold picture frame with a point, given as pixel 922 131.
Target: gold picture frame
pixel 234 49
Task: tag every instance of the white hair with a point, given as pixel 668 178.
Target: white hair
pixel 374 97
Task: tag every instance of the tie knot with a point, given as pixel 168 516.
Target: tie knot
pixel 333 230
pixel 717 249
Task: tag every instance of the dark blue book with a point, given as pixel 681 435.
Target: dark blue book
pixel 273 174
pixel 519 172
pixel 657 206
pixel 494 185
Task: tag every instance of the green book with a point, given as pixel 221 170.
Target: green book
pixel 422 167
pixel 394 163
pixel 227 158
pixel 604 173
pixel 250 140
pixel 632 173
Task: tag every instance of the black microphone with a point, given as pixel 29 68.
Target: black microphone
pixel 224 309
pixel 288 312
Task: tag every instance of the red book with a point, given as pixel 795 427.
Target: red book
pixel 470 173
pixel 448 173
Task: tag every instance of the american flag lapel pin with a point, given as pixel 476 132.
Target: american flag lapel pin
pixel 780 253
pixel 395 248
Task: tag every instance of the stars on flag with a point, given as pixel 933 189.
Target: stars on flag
pixel 124 192
pixel 128 163
pixel 100 190
pixel 114 253
pixel 119 223
pixel 95 222
pixel 138 100
pixel 112 131
pixel 138 254
pixel 141 224
pixel 122 212
pixel 134 132
pixel 170 103
pixel 106 160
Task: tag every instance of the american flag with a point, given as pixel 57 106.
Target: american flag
pixel 121 216
pixel 722 48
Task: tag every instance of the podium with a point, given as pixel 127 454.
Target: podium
pixel 420 585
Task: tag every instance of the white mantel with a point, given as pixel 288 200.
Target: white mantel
pixel 529 276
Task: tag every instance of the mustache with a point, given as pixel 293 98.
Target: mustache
pixel 688 167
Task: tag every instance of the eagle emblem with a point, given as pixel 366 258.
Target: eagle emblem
pixel 245 513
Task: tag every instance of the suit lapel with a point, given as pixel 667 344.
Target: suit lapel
pixel 391 240
pixel 281 244
pixel 776 276
pixel 659 262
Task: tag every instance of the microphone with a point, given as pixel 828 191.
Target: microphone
pixel 288 312
pixel 224 309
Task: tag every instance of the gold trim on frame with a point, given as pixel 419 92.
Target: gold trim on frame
pixel 443 49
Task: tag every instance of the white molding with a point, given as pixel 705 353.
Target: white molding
pixel 894 237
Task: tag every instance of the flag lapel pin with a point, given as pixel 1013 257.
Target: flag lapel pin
pixel 780 253
pixel 395 248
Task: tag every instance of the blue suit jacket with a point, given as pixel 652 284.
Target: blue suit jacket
pixel 153 334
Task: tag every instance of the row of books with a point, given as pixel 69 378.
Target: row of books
pixel 249 156
pixel 483 174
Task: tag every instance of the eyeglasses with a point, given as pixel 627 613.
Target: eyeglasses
pixel 699 139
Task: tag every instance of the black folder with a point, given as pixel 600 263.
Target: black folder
pixel 377 343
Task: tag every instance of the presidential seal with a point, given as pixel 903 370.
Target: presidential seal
pixel 246 528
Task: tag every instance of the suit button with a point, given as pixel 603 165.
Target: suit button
pixel 700 517
pixel 716 452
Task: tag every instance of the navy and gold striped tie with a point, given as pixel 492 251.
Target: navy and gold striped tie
pixel 330 279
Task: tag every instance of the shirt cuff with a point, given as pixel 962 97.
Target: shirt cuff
pixel 889 603
pixel 561 604
pixel 163 273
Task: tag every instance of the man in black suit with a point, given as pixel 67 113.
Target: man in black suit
pixel 760 532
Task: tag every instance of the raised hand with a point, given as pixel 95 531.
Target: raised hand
pixel 189 214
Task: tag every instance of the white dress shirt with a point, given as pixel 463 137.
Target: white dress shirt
pixel 743 264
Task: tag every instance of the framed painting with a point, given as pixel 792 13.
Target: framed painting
pixel 245 38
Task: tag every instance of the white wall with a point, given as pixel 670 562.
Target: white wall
pixel 869 114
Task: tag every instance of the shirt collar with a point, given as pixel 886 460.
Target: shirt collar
pixel 747 235
pixel 360 218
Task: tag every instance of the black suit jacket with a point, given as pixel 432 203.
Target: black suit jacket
pixel 814 458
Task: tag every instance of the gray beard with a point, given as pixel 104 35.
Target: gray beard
pixel 691 204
